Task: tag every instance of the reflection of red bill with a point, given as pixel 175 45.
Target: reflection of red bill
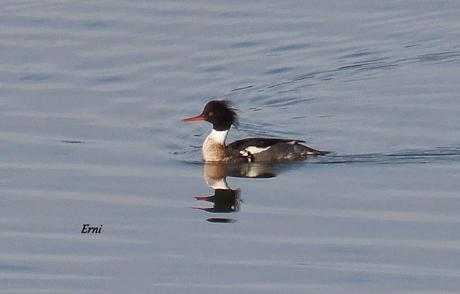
pixel 195 118
pixel 205 198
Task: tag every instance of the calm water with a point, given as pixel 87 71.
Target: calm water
pixel 91 97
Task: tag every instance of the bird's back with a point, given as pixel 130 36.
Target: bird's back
pixel 271 149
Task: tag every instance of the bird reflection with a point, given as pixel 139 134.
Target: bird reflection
pixel 226 199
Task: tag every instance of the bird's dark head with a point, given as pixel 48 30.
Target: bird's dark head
pixel 218 112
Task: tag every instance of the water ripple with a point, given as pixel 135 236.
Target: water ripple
pixel 91 94
pixel 436 155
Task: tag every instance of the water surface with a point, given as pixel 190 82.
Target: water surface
pixel 91 97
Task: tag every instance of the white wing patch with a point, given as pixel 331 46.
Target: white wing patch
pixel 249 152
pixel 255 150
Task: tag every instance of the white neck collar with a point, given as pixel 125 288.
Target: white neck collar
pixel 217 136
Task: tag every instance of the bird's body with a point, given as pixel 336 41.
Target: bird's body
pixel 249 150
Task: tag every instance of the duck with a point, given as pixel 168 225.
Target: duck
pixel 222 115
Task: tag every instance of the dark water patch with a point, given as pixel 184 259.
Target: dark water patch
pixel 37 21
pixel 193 162
pixel 288 82
pixel 214 69
pixel 289 47
pixel 278 84
pixel 35 77
pixel 260 97
pixel 278 70
pixel 191 155
pixel 96 24
pixel 110 79
pixel 305 76
pixel 365 59
pixel 178 152
pixel 242 88
pixel 378 66
pixel 279 102
pixel 358 53
pixel 72 141
pixel 246 44
pixel 361 65
pixel 368 64
pixel 440 57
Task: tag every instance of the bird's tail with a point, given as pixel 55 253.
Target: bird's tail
pixel 310 151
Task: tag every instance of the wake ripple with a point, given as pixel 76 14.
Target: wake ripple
pixel 438 154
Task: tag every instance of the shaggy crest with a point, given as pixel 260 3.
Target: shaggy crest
pixel 221 113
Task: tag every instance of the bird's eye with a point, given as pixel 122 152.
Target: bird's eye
pixel 211 113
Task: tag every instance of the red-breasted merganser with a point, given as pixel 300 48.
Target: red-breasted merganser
pixel 222 116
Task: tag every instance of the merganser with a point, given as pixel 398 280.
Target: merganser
pixel 222 116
